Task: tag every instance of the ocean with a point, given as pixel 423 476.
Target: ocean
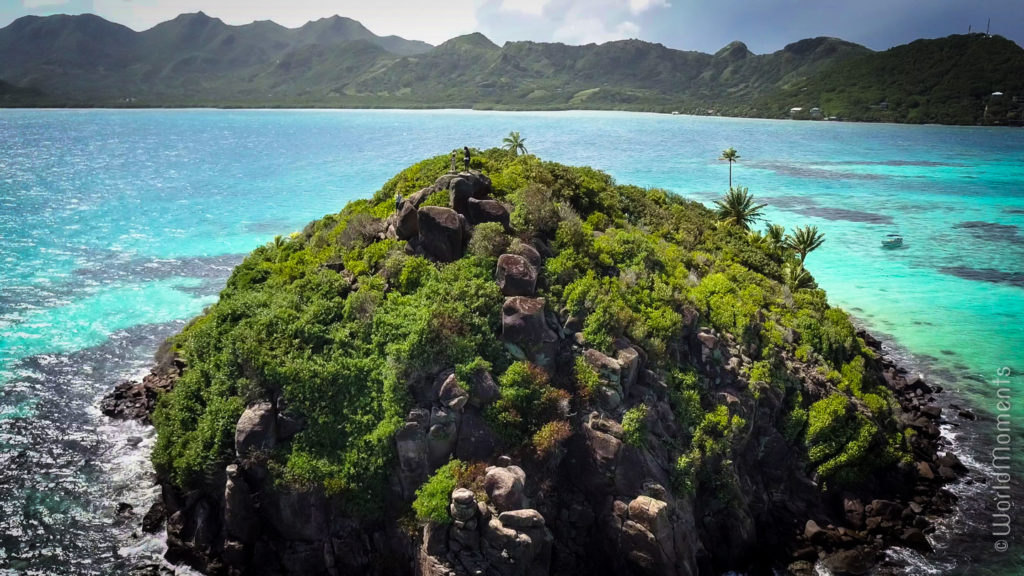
pixel 116 227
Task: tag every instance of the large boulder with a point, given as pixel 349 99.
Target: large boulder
pixel 480 211
pixel 407 222
pixel 522 320
pixel 440 233
pixel 504 486
pixel 460 190
pixel 476 440
pixel 417 198
pixel 256 430
pixel 441 437
pixel 516 276
pixel 411 442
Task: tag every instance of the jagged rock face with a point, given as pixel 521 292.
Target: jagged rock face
pixel 440 233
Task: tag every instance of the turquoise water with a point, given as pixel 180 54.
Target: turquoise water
pixel 116 226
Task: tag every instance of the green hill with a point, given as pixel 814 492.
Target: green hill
pixel 945 81
pixel 555 345
pixel 195 60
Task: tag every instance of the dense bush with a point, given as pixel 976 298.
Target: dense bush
pixel 634 426
pixel 432 499
pixel 527 403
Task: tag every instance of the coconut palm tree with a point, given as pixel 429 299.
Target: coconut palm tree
pixel 515 143
pixel 775 235
pixel 805 239
pixel 737 207
pixel 796 277
pixel 731 155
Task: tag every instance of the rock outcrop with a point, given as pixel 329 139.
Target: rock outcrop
pixel 489 539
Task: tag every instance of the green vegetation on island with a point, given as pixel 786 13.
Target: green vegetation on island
pixel 337 320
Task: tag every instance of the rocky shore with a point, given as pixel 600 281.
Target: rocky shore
pixel 606 500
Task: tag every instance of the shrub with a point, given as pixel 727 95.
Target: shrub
pixel 634 426
pixel 432 498
pixel 489 240
pixel 550 437
pixel 587 378
pixel 838 337
pixel 534 213
pixel 684 475
pixel 527 403
pixel 361 229
pixel 686 399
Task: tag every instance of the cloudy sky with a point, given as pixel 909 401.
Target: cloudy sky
pixel 706 25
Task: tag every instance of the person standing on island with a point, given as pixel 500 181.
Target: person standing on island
pixel 466 156
pixel 398 201
pixel 454 160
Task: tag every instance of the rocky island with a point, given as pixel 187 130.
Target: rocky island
pixel 526 368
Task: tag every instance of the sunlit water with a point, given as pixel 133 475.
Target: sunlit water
pixel 117 226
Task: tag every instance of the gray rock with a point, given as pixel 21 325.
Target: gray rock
pixel 452 395
pixel 480 211
pixel 504 487
pixel 476 440
pixel 521 519
pixel 256 430
pixel 435 539
pixel 629 360
pixel 411 441
pixel 238 514
pixel 516 276
pixel 529 252
pixel 608 368
pixel 522 320
pixel 440 233
pixel 484 390
pixel 406 222
pixel 460 190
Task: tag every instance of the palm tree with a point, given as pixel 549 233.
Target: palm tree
pixel 737 207
pixel 805 239
pixel 796 277
pixel 776 236
pixel 515 143
pixel 731 155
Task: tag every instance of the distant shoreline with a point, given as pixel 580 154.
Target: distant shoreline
pixel 427 108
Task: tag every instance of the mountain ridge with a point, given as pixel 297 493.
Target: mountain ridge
pixel 336 62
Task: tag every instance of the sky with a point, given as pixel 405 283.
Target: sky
pixel 705 25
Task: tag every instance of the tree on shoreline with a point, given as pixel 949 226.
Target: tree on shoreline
pixel 737 207
pixel 515 143
pixel 805 239
pixel 731 155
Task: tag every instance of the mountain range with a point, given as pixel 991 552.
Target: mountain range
pixel 196 60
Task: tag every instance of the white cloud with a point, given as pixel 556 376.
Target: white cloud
pixel 30 4
pixel 529 7
pixel 594 30
pixel 638 6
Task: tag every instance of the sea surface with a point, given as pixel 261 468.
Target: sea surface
pixel 116 227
